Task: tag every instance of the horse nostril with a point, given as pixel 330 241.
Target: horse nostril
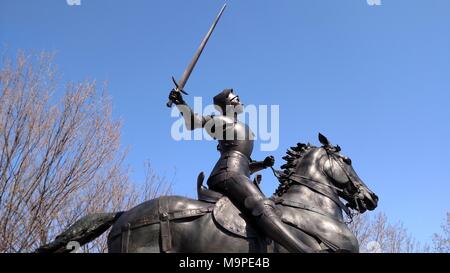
pixel 374 201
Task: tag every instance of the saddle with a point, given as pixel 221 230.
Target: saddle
pixel 225 213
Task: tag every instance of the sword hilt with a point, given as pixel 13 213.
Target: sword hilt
pixel 178 89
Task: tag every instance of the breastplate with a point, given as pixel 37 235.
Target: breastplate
pixel 235 146
pixel 233 136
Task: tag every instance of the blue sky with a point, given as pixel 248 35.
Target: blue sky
pixel 374 79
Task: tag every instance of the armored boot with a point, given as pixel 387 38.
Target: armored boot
pixel 272 226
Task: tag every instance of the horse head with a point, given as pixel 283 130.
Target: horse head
pixel 324 169
pixel 339 169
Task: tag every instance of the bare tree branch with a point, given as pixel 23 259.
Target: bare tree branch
pixel 376 234
pixel 441 241
pixel 60 155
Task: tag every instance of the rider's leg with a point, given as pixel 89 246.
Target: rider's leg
pixel 248 197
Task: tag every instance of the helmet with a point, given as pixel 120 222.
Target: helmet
pixel 227 97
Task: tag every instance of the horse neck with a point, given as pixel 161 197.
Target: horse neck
pixel 308 196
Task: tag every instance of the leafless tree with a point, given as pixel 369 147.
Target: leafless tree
pixel 376 234
pixel 441 241
pixel 60 155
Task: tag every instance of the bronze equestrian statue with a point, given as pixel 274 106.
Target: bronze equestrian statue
pixel 233 215
pixel 308 200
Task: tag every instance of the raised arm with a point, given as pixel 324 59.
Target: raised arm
pixel 191 119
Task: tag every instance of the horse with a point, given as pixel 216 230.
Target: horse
pixel 313 183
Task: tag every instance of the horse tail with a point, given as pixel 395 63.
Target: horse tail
pixel 81 232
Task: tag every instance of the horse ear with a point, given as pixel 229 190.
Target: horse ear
pixel 323 140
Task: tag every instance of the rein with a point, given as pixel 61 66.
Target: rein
pixel 300 179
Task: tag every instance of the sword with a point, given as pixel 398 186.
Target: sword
pixel 182 82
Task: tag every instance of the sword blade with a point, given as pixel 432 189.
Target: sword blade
pixel 188 71
pixel 182 82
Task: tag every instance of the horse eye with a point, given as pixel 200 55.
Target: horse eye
pixel 347 160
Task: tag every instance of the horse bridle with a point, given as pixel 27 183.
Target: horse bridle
pixel 298 179
pixel 350 176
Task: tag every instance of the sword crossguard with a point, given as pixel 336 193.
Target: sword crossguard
pixel 177 89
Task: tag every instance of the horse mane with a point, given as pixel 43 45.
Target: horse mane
pixel 293 156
